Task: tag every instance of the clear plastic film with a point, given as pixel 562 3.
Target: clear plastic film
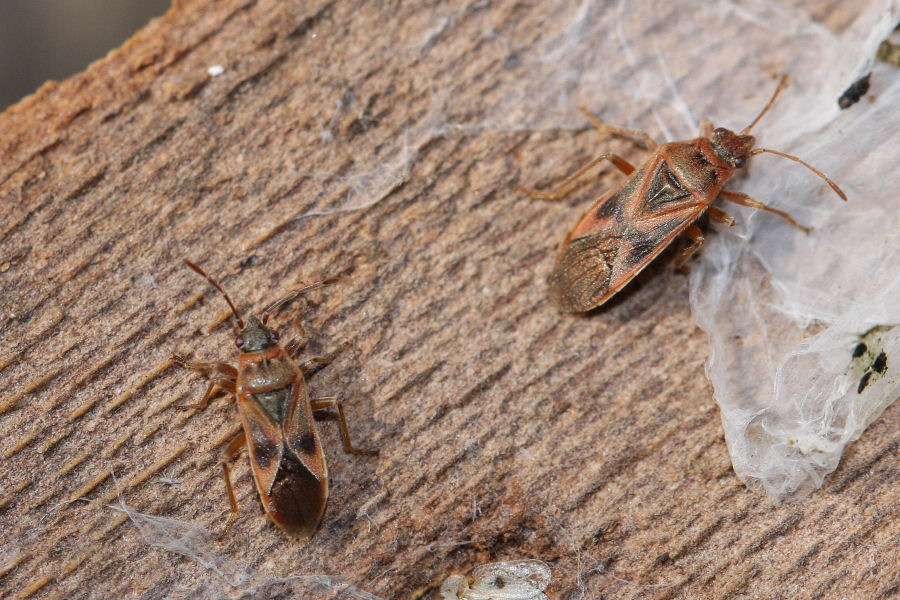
pixel 804 327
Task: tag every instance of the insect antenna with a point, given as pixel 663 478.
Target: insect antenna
pixel 833 185
pixel 293 294
pixel 765 109
pixel 234 311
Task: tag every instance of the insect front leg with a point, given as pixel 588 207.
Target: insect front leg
pixel 320 403
pixel 313 361
pixel 233 448
pixel 568 184
pixel 226 380
pixel 745 200
pixel 207 367
pixel 296 345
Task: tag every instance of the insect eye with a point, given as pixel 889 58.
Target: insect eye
pixel 274 335
pixel 740 161
pixel 239 341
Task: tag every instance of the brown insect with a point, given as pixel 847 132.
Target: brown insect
pixel 628 227
pixel 277 418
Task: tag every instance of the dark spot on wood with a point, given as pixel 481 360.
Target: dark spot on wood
pixel 250 261
pixel 880 364
pixel 853 93
pixel 864 382
pixel 859 350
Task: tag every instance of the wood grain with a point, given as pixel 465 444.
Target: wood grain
pixel 506 429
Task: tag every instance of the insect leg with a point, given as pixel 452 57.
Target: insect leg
pixel 216 382
pixel 320 403
pixel 745 200
pixel 311 362
pixel 215 367
pixel 566 186
pixel 719 216
pixel 608 130
pixel 225 382
pixel 233 448
pixel 298 343
pixel 697 237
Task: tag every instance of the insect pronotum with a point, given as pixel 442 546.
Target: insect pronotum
pixel 629 226
pixel 276 418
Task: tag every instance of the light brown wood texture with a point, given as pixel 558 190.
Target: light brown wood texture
pixel 506 429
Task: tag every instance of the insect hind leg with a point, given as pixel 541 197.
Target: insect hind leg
pixel 233 448
pixel 349 448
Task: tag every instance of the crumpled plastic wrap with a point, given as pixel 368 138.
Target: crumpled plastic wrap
pixel 804 329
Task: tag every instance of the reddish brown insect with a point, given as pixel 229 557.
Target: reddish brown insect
pixel 628 227
pixel 277 418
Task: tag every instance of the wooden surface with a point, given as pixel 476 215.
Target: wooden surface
pixel 506 429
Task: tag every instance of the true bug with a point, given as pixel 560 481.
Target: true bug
pixel 276 417
pixel 628 227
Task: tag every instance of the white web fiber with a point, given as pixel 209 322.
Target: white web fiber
pixel 191 540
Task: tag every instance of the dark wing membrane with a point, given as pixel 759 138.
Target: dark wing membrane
pixel 581 276
pixel 297 498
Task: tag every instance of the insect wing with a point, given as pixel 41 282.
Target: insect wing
pixel 300 432
pixel 264 442
pixel 620 235
pixel 300 490
pixel 454 587
pixel 514 580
